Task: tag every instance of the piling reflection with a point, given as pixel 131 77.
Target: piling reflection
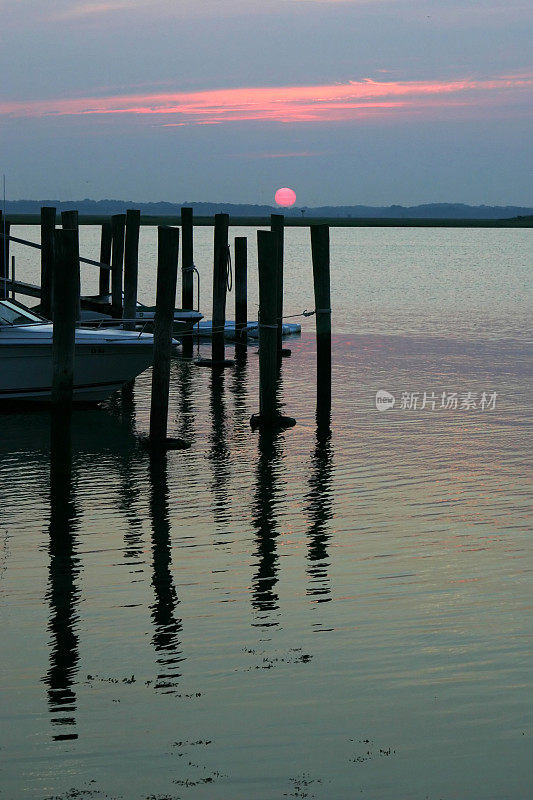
pixel 167 626
pixel 264 596
pixel 219 454
pixel 63 592
pixel 319 509
pixel 185 378
pixel 239 385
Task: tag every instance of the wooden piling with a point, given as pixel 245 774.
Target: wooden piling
pixel 131 267
pixel 277 224
pixel 118 224
pixel 69 221
pixel 4 257
pixel 241 288
pixel 167 268
pixel 321 280
pixel 187 274
pixel 66 299
pixel 187 259
pixel 267 255
pixel 106 240
pixel 219 286
pixel 48 226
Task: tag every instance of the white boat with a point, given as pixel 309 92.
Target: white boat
pixel 105 359
pixel 99 307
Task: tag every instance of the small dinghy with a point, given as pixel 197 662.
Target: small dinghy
pixel 205 329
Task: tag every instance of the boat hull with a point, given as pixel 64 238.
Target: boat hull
pixel 99 369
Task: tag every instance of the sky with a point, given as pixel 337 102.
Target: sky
pixel 372 102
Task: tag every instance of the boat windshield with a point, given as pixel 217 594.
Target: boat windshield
pixel 13 314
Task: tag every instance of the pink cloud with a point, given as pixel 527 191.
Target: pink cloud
pixel 322 103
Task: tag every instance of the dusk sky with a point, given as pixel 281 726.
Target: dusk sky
pixel 346 101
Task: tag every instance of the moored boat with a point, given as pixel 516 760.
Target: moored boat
pixel 100 307
pixel 105 358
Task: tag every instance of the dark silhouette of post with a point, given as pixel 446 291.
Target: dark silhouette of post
pixel 321 280
pixel 66 300
pixel 187 276
pixel 48 226
pixel 106 239
pixel 118 224
pixel 167 269
pixel 69 221
pixel 131 267
pixel 267 255
pixel 277 223
pixel 219 287
pixel 187 259
pixel 4 256
pixel 241 288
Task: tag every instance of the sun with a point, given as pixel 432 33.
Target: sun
pixel 285 197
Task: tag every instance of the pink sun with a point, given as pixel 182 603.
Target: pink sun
pixel 285 197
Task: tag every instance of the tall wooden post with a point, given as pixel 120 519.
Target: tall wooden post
pixel 66 299
pixel 106 239
pixel 219 286
pixel 118 224
pixel 267 255
pixel 187 276
pixel 131 267
pixel 4 256
pixel 277 223
pixel 187 259
pixel 167 269
pixel 69 221
pixel 48 226
pixel 321 280
pixel 241 288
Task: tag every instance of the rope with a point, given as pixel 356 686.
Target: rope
pixel 229 273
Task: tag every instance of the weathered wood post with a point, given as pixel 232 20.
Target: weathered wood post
pixel 48 226
pixel 69 221
pixel 66 299
pixel 220 276
pixel 4 257
pixel 241 288
pixel 167 271
pixel 106 239
pixel 187 276
pixel 277 223
pixel 321 280
pixel 118 224
pixel 131 267
pixel 219 286
pixel 187 259
pixel 267 255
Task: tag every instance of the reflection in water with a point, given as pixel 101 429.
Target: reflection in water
pixel 219 454
pixel 264 597
pixel 239 385
pixel 320 512
pixel 167 626
pixel 63 593
pixel 185 373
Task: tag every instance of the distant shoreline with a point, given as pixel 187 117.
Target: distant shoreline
pixel 300 222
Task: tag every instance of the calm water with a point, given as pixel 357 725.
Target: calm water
pixel 309 614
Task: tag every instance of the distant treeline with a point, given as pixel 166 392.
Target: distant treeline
pixel 427 211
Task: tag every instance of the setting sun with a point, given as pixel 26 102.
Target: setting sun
pixel 285 197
